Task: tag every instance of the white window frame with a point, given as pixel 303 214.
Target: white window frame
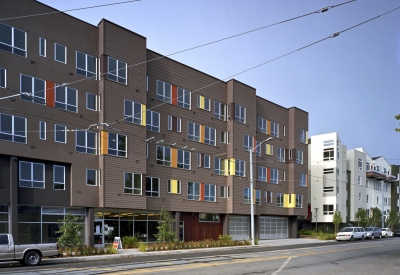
pixel 55 53
pixel 182 98
pixel 207 163
pixel 54 178
pixel 328 211
pixel 151 191
pixel 3 75
pixel 186 156
pixel 65 105
pixel 220 170
pixel 262 174
pixel 42 48
pixel 246 195
pixel 240 114
pixel 221 114
pixel 95 177
pixel 248 142
pixel 281 154
pixel 222 192
pixel 150 119
pixel 299 156
pixel 302 136
pixel 14 136
pixel 279 199
pixel 57 130
pixel 210 135
pixel 274 176
pixel 115 74
pixel 136 116
pixel 195 135
pixel 224 137
pixel 303 179
pixel 178 123
pixel 262 125
pixel 205 99
pixel 32 180
pixel 118 152
pixel 133 188
pixel 42 130
pixel 33 97
pixel 84 71
pixel 85 146
pixel 207 188
pixel 95 101
pixel 191 186
pixel 258 148
pixel 179 187
pixel 163 95
pixel 12 45
pixel 240 168
pixel 299 201
pixel 274 129
pixel 360 164
pixel 163 161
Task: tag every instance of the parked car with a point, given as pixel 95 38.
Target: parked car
pixel 350 234
pixel 386 232
pixel 396 233
pixel 373 232
pixel 27 254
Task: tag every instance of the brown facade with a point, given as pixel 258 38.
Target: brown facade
pixel 144 69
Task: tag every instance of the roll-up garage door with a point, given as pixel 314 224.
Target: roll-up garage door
pixel 273 228
pixel 239 227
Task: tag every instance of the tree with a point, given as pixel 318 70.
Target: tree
pixel 376 217
pixel 337 220
pixel 361 217
pixel 393 219
pixel 69 230
pixel 397 118
pixel 165 233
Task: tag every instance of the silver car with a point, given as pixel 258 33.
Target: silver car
pixel 373 232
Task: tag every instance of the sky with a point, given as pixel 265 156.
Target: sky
pixel 348 84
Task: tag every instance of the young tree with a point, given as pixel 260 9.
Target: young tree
pixel 337 220
pixel 69 230
pixel 376 217
pixel 165 233
pixel 397 118
pixel 393 219
pixel 361 217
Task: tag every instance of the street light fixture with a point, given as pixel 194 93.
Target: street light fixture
pixel 316 219
pixel 251 151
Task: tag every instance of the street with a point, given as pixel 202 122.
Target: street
pixel 358 257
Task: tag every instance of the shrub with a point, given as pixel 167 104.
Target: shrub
pixel 142 247
pixel 256 241
pixel 305 232
pixel 129 242
pixel 110 249
pixel 224 237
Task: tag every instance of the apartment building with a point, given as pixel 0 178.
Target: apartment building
pixel 346 180
pixel 97 125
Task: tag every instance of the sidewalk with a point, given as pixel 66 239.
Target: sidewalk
pixel 125 253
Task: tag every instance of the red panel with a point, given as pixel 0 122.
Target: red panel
pixel 174 95
pixel 194 230
pixel 268 174
pixel 50 94
pixel 202 191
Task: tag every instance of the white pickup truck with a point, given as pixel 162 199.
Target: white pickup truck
pixel 27 254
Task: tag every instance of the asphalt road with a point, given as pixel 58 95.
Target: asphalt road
pixel 358 257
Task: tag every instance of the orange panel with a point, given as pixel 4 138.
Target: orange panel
pixel 104 142
pixel 50 94
pixel 202 191
pixel 268 127
pixel 268 174
pixel 202 133
pixel 254 144
pixel 174 158
pixel 174 96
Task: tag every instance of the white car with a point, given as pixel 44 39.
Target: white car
pixel 386 232
pixel 351 233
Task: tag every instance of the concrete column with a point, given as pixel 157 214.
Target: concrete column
pixel 292 227
pixel 13 210
pixel 89 227
pixel 225 224
pixel 257 227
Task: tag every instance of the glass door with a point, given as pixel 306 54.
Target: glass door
pixel 98 233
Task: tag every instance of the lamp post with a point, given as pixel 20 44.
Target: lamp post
pixel 316 219
pixel 251 190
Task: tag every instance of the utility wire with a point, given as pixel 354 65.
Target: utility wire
pixel 77 9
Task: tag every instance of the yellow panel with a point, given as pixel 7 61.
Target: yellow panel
pixel 254 196
pixel 226 166
pixel 232 166
pixel 143 115
pixel 269 149
pixel 174 186
pixel 202 102
pixel 202 133
pixel 268 127
pixel 104 142
pixel 306 137
pixel 289 200
pixel 174 158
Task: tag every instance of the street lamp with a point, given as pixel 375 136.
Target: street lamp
pixel 316 219
pixel 251 189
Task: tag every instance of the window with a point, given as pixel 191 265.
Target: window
pixel 329 154
pixel 2 78
pixel 262 174
pixel 258 148
pixel 66 98
pixel 279 199
pixel 42 47
pixel 377 200
pixel 228 191
pixel 303 136
pixel 303 179
pixel 60 53
pixel 377 185
pixel 12 40
pixel 91 102
pixel 209 135
pixel 246 195
pixel 203 160
pixel 327 209
pixel 31 174
pixel 274 129
pixel 274 176
pixel 262 125
pixel 269 150
pixel 133 112
pixel 85 142
pixel 203 103
pixel 281 154
pixel 268 196
pixel 86 65
pixel 208 217
pixel 219 110
pixel 328 143
pixel 91 177
pixel 209 192
pixel 240 167
pixel 299 201
pixel 152 121
pixel 193 131
pixel 219 167
pixel 240 114
pixel 35 87
pixel 183 159
pixel 284 176
pixel 329 171
pixel 133 183
pixel 359 196
pixel 360 164
pixel 164 91
pixel 367 198
pixel 117 70
pixel 42 130
pixel 152 187
pixel 224 137
pixel 222 191
pixel 163 155
pixel 299 156
pixel 284 130
pixel 174 186
pixel 60 133
pixel 359 180
pixel 117 145
pixel 183 98
pixel 248 143
pixel 328 189
pixel 59 177
pixel 258 197
pixel 174 124
pixel 12 128
pixel 193 191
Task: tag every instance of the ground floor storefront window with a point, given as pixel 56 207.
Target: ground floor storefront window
pixel 4 228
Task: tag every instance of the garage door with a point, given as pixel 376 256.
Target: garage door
pixel 273 228
pixel 239 227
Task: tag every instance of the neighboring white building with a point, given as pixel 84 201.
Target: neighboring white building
pixel 346 180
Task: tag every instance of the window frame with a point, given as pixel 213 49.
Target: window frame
pixel 274 172
pixel 54 178
pixel 133 117
pixel 149 122
pixel 64 105
pixel 207 192
pixel 57 130
pixel 262 173
pixel 162 95
pixel 279 199
pixel 191 186
pixel 86 147
pixel 274 129
pixel 210 135
pixel 258 197
pixel 3 76
pixel 55 53
pixel 222 114
pixel 193 136
pixel 183 103
pixel 115 76
pixel 247 146
pixel 240 114
pixel 221 170
pixel 85 71
pixel 179 187
pixel 299 156
pixel 95 176
pixel 303 136
pixel 42 130
pixel 12 45
pixel 205 99
pixel 4 132
pixel 32 164
pixel 87 101
pixel 186 163
pixel 42 46
pixel 299 201
pixel 280 154
pixel 116 148
pixel 246 191
pixel 149 193
pixel 240 168
pixel 133 188
pixel 303 179
pixel 162 161
pixel 33 97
